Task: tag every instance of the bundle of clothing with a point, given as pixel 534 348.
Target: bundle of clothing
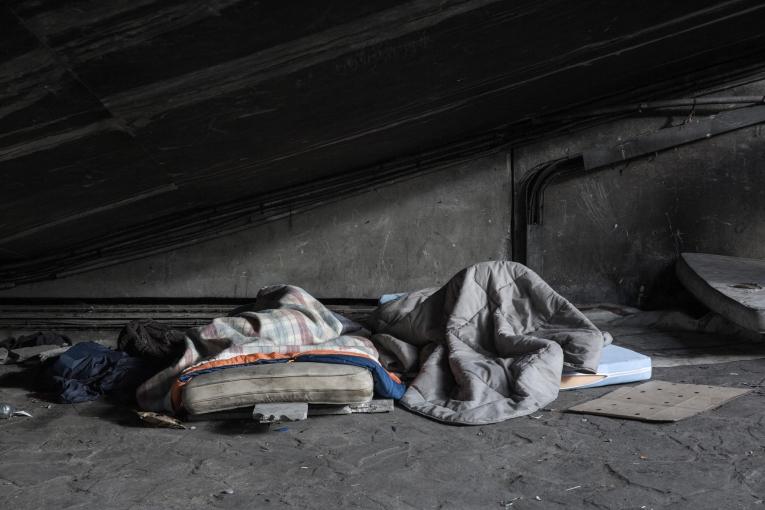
pixel 285 324
pixel 89 370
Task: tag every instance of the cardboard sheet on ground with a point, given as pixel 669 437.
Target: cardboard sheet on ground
pixel 659 401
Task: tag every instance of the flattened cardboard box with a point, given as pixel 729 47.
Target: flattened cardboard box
pixel 659 401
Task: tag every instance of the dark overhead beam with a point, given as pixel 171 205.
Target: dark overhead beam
pixel 249 107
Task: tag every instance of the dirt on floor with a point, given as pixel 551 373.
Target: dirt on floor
pixel 98 455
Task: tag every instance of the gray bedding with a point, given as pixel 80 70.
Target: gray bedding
pixel 488 346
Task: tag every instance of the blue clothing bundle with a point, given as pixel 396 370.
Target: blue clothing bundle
pixel 89 370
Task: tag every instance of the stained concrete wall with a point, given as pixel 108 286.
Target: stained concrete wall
pixel 609 236
pixel 405 236
pixel 614 234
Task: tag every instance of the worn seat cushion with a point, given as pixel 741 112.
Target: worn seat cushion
pixel 314 383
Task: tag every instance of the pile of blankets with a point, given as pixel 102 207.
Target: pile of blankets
pixel 285 324
pixel 489 345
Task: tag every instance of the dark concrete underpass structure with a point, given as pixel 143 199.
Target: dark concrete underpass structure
pixel 169 160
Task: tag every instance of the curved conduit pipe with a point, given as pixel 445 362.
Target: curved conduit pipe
pixel 529 200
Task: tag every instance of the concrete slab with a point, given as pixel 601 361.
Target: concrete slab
pixel 97 455
pixel 734 287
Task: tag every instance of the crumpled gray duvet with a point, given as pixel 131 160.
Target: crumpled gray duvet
pixel 488 346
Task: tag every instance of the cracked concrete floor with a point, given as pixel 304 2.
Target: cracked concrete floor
pixel 96 455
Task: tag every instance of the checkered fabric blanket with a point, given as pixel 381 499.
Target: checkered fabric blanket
pixel 285 322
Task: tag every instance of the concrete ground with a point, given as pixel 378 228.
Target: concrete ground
pixel 97 455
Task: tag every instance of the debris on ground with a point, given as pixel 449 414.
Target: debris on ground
pixel 152 419
pixel 7 411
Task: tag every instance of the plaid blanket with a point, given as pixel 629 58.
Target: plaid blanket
pixel 286 322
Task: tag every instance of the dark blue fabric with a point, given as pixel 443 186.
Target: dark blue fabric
pixel 385 387
pixel 88 370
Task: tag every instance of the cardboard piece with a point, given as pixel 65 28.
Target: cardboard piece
pixel 23 354
pixel 659 401
pixel 617 366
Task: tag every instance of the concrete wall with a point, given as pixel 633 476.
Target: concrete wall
pixel 406 236
pixel 614 235
pixel 609 236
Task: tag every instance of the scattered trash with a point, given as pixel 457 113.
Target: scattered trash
pixel 508 504
pixel 282 429
pixel 536 417
pixel 224 493
pixel 32 347
pixel 36 353
pixel 7 411
pixel 152 419
pixel 537 498
pixel 642 457
pixel 574 488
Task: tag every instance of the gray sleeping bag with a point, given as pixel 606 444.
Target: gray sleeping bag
pixel 488 346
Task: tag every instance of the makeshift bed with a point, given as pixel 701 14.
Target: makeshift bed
pixel 489 345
